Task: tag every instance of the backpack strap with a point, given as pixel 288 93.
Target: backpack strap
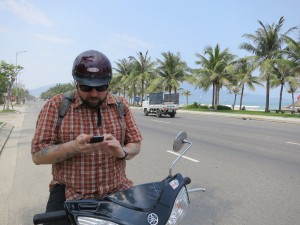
pixel 68 98
pixel 122 113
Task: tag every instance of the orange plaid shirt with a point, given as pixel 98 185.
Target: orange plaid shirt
pixel 86 175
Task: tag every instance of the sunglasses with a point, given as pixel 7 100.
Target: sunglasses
pixel 86 88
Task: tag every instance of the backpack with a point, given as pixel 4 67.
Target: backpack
pixel 69 98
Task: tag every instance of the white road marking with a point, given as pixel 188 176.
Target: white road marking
pixel 160 121
pixel 188 158
pixel 292 143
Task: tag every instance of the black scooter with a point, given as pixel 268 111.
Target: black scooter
pixel 156 203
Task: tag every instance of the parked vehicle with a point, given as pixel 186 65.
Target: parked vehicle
pixel 157 203
pixel 161 104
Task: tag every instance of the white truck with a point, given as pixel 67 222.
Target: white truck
pixel 159 103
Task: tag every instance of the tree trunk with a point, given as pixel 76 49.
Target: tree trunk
pixel 234 101
pixel 293 101
pixel 8 96
pixel 242 95
pixel 216 97
pixel 267 95
pixel 134 92
pixel 213 96
pixel 280 97
pixel 143 83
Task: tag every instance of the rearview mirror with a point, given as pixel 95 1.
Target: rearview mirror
pixel 179 141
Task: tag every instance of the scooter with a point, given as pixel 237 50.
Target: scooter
pixel 157 203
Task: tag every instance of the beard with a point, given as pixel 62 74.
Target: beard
pixel 92 102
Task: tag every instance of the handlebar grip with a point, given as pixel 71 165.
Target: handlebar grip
pixel 49 217
pixel 187 180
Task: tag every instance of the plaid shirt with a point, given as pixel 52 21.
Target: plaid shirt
pixel 86 175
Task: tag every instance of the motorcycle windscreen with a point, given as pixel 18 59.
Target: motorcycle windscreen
pixel 142 197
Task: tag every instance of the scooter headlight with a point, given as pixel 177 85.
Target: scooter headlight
pixel 179 208
pixel 93 221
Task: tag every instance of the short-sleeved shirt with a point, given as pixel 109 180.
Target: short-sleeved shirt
pixel 90 175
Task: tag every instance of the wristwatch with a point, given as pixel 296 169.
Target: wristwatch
pixel 124 157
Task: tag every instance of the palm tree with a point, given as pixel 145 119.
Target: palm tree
pixel 213 71
pixel 292 89
pixel 236 90
pixel 124 68
pixel 293 51
pixel 143 72
pixel 267 41
pixel 171 70
pixel 244 68
pixel 186 93
pixel 282 69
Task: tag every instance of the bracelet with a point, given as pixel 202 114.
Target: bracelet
pixel 126 154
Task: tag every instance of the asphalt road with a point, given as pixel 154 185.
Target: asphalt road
pixel 250 169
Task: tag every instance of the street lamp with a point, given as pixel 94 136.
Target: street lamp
pixel 17 53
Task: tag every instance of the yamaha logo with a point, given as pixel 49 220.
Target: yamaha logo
pixel 93 70
pixel 152 219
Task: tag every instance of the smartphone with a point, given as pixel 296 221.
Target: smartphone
pixel 95 139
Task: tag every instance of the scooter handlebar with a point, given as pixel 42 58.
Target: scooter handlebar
pixel 187 180
pixel 49 217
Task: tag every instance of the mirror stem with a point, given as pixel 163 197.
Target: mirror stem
pixel 190 145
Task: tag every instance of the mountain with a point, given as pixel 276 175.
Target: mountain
pixel 38 91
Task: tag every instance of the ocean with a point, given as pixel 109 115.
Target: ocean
pixel 252 100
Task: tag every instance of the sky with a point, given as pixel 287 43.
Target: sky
pixel 54 32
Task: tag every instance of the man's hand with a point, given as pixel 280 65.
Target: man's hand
pixel 58 153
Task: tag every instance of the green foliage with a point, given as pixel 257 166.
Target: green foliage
pixel 214 70
pixel 3 86
pixel 59 88
pixel 171 70
pixel 222 107
pixel 195 105
pixel 265 44
pixel 8 74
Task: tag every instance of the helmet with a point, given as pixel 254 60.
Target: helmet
pixel 92 68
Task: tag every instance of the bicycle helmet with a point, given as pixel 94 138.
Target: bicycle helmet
pixel 92 68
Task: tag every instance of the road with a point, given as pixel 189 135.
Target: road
pixel 250 169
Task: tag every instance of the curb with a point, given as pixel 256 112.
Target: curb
pixel 2 125
pixel 246 117
pixel 5 131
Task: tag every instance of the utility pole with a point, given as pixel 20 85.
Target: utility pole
pixel 17 91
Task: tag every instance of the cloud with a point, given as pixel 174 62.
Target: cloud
pixel 27 11
pixel 129 41
pixel 53 39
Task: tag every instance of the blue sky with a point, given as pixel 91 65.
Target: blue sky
pixel 54 32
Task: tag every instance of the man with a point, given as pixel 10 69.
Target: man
pixel 81 169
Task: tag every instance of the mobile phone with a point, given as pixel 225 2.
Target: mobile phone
pixel 95 139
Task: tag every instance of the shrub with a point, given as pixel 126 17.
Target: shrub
pixel 203 106
pixel 195 105
pixel 221 107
